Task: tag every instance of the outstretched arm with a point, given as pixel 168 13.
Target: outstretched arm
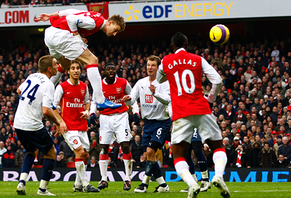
pixel 46 17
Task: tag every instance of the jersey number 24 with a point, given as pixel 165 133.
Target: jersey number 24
pixel 31 93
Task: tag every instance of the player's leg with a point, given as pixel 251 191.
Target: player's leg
pixel 94 77
pixel 62 68
pixel 210 133
pixel 47 170
pixel 80 156
pixel 103 164
pixel 127 160
pixel 191 166
pixel 123 136
pixel 197 147
pixel 181 138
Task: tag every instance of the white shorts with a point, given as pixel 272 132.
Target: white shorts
pixel 76 139
pixel 183 128
pixel 63 43
pixel 114 127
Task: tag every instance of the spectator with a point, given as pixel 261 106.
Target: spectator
pixel 56 144
pixel 68 153
pixel 60 163
pixel 282 162
pixel 253 160
pixel 95 148
pixel 267 157
pixel 136 148
pixel 239 159
pixel 285 149
pixel 93 163
pixel 2 151
pixel 8 158
pixel 19 156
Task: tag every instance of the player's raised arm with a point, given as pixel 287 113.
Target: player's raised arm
pixel 214 78
pixel 161 76
pixel 45 17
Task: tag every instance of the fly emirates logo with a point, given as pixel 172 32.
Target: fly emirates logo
pixel 76 104
pixel 182 62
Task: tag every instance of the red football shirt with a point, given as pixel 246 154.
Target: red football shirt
pixel 62 23
pixel 115 92
pixel 72 106
pixel 184 73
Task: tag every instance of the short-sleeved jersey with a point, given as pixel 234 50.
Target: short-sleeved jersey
pixel 71 98
pixel 115 92
pixel 184 72
pixel 37 91
pixel 86 23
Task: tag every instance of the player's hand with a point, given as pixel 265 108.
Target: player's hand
pixel 85 40
pixel 126 98
pixel 152 88
pixel 42 17
pixel 84 115
pixel 61 129
pixel 93 119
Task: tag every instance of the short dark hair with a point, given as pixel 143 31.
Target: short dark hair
pixel 45 62
pixel 119 20
pixel 179 40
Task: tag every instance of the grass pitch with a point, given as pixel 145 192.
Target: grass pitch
pixel 64 189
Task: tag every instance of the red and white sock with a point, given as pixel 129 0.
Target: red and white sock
pixel 55 79
pixel 220 160
pixel 96 83
pixel 182 169
pixel 128 166
pixel 103 163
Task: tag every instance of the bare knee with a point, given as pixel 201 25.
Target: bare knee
pixel 51 154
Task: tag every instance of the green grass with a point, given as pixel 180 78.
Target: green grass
pixel 64 189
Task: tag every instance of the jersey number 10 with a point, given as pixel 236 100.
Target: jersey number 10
pixel 185 73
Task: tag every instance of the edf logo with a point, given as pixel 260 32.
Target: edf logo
pixel 148 12
pixel 157 11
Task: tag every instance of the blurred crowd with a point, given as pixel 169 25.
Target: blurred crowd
pixel 253 108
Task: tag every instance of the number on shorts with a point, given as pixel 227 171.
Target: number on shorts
pixel 185 73
pixel 126 132
pixel 31 93
pixel 159 132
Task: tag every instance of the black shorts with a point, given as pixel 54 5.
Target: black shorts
pixel 32 140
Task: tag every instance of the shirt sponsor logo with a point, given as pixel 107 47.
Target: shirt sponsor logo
pixel 149 98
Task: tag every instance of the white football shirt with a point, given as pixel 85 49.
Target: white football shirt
pixel 153 107
pixel 37 91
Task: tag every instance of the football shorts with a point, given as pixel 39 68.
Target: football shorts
pixel 114 127
pixel 63 43
pixel 76 139
pixel 183 128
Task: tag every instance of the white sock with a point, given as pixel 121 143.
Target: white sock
pixel 160 180
pixel 43 184
pixel 146 179
pixel 220 160
pixel 78 181
pixel 81 171
pixel 103 169
pixel 128 169
pixel 204 174
pixel 95 80
pixel 23 176
pixel 182 169
pixel 55 79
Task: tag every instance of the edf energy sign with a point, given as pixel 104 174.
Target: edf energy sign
pixel 198 10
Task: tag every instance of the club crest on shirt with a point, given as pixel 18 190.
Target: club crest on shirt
pixel 75 141
pixel 83 92
pixel 118 90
